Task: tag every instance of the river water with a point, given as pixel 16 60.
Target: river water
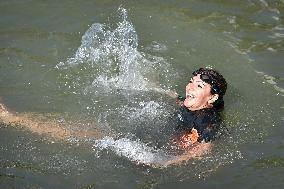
pixel 107 65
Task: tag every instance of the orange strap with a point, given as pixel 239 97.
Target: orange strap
pixel 189 138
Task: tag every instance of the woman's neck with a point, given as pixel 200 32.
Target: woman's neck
pixel 201 107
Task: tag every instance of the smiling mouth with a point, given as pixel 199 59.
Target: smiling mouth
pixel 190 95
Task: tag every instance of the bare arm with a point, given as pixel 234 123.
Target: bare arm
pixel 196 151
pixel 50 128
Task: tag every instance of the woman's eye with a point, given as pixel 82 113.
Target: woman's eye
pixel 190 81
pixel 200 86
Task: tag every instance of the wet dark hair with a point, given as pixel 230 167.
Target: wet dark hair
pixel 217 82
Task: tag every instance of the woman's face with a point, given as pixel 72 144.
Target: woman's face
pixel 198 95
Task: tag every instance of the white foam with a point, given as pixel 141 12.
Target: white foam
pixel 108 60
pixel 116 62
pixel 134 150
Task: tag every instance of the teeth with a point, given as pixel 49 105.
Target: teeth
pixel 190 95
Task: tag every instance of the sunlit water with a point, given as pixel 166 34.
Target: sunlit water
pixel 108 65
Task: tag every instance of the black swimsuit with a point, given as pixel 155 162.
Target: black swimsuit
pixel 205 121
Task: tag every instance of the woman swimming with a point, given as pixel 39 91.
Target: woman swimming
pixel 198 117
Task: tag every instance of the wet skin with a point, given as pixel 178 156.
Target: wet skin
pixel 198 95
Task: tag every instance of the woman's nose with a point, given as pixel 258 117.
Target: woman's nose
pixel 189 86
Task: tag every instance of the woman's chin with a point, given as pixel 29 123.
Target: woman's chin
pixel 187 103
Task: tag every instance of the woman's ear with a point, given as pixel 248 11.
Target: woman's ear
pixel 213 98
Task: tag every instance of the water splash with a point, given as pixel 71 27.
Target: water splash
pixel 113 61
pixel 123 83
pixel 134 150
pixel 149 110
